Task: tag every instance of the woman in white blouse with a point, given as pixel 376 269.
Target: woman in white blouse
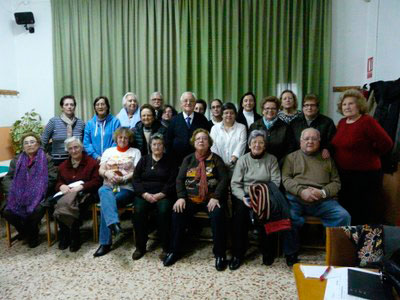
pixel 229 136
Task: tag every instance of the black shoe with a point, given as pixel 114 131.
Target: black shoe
pixel 75 245
pixel 235 263
pixel 291 259
pixel 220 263
pixel 115 229
pixel 34 242
pixel 63 244
pixel 138 254
pixel 102 250
pixel 170 259
pixel 268 259
pixel 75 238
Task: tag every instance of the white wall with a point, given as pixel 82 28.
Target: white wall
pixel 26 61
pixel 363 29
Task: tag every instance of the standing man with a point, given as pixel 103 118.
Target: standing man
pixel 312 184
pixel 216 112
pixel 182 127
pixel 312 118
pixel 157 101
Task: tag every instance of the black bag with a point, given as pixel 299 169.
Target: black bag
pixel 391 271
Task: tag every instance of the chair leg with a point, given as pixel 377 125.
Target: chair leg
pixel 8 234
pixel 48 229
pixel 95 223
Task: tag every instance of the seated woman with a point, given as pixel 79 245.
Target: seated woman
pixel 229 137
pixel 30 178
pixel 81 168
pixel 280 136
pixel 62 127
pixel 147 126
pixel 201 184
pixel 116 167
pixel 130 112
pixel 99 130
pixel 154 185
pixel 254 167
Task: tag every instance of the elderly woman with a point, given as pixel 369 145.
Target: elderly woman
pixel 62 127
pixel 78 181
pixel 289 104
pixel 229 136
pixel 358 144
pixel 99 130
pixel 30 178
pixel 255 167
pixel 247 110
pixel 148 126
pixel 130 112
pixel 280 137
pixel 168 113
pixel 116 167
pixel 154 184
pixel 201 185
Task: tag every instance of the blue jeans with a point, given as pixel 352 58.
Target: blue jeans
pixel 110 202
pixel 329 210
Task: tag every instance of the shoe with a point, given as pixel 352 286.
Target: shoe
pixel 235 263
pixel 75 238
pixel 170 259
pixel 102 250
pixel 220 263
pixel 138 254
pixel 34 242
pixel 115 229
pixel 291 259
pixel 64 236
pixel 63 244
pixel 268 259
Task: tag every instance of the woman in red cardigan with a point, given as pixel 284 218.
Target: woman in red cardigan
pixel 358 144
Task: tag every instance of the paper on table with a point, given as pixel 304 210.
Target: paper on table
pixel 71 185
pixel 316 271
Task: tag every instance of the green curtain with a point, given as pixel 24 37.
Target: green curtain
pixel 215 48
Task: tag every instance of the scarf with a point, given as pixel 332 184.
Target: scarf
pixel 123 149
pixel 201 173
pixel 70 123
pixel 269 124
pixel 124 118
pixel 29 185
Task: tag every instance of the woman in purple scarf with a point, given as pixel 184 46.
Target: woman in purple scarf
pixel 30 176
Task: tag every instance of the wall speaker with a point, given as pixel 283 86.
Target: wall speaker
pixel 25 18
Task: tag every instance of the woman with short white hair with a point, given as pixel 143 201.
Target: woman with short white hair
pixel 130 112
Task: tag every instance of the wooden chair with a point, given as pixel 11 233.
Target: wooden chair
pixel 340 251
pixel 96 209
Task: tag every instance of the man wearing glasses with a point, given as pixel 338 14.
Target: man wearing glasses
pixel 157 101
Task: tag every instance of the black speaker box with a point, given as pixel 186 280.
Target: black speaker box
pixel 23 18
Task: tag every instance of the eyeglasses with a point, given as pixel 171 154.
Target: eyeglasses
pixel 201 138
pixel 30 143
pixel 310 105
pixel 156 99
pixel 100 104
pixel 310 139
pixel 270 108
pixel 215 107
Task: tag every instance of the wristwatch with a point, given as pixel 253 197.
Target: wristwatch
pixel 323 193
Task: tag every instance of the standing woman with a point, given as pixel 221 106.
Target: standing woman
pixel 116 167
pixel 99 130
pixel 60 128
pixel 30 178
pixel 168 113
pixel 358 144
pixel 154 184
pixel 280 138
pixel 289 105
pixel 130 112
pixel 247 114
pixel 229 137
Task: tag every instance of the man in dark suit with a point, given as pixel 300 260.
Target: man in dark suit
pixel 182 127
pixel 157 101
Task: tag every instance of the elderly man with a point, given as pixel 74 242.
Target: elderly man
pixel 182 127
pixel 312 118
pixel 157 101
pixel 312 184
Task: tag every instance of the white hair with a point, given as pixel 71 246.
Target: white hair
pixel 256 133
pixel 126 95
pixel 310 129
pixel 188 92
pixel 156 94
pixel 71 140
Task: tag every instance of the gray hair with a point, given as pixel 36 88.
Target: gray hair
pixel 157 136
pixel 71 140
pixel 156 94
pixel 256 133
pixel 310 129
pixel 126 95
pixel 188 92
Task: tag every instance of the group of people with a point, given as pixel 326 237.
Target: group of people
pixel 268 171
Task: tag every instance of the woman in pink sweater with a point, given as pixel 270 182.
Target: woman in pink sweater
pixel 359 142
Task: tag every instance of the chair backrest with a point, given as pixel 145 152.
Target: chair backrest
pixel 340 250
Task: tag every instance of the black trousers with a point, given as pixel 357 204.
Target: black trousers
pixel 180 222
pixel 360 196
pixel 241 225
pixel 29 227
pixel 141 221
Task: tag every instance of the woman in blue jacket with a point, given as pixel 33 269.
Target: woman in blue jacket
pixel 99 130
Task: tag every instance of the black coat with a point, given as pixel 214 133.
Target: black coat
pixel 242 119
pixel 140 140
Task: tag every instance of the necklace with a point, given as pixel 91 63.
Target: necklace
pixel 154 163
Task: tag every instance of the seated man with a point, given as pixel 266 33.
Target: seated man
pixel 312 185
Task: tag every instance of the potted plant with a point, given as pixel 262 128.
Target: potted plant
pixel 30 122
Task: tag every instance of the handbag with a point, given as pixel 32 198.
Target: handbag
pixel 391 271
